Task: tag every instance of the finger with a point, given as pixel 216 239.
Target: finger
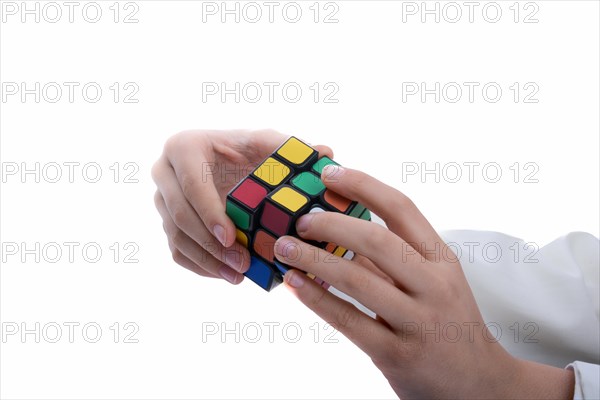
pixel 264 142
pixel 253 146
pixel 370 335
pixel 324 150
pixel 368 264
pixel 202 258
pixel 195 176
pixel 185 262
pixel 190 249
pixel 369 289
pixel 400 214
pixel 387 250
pixel 184 217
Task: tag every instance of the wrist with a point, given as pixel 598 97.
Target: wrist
pixel 539 381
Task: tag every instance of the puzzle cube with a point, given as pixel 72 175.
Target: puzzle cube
pixel 266 204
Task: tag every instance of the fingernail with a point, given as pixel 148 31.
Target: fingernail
pixel 228 274
pixel 303 223
pixel 294 278
pixel 332 172
pixel 234 260
pixel 219 233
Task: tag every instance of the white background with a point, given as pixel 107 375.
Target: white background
pixel 168 54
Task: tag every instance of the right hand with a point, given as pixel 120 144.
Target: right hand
pixel 193 176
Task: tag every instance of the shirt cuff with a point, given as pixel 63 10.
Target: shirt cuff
pixel 587 380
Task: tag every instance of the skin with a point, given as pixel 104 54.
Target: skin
pixel 193 176
pixel 404 273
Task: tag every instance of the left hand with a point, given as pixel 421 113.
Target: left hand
pixel 429 339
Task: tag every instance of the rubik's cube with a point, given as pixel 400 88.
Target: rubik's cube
pixel 266 204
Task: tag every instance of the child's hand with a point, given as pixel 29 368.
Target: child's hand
pixel 429 338
pixel 194 174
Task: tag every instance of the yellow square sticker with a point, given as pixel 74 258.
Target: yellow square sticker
pixel 241 238
pixel 289 198
pixel 295 151
pixel 272 171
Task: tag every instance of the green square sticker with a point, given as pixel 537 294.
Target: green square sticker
pixel 366 215
pixel 357 210
pixel 323 161
pixel 308 183
pixel 240 217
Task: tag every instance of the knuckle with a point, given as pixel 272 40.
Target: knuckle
pixel 386 361
pixel 377 236
pixel 178 238
pixel 431 316
pixel 174 142
pixel 399 351
pixel 155 170
pixel 346 318
pixel 179 214
pixel 319 222
pixel 324 225
pixel 399 348
pixel 258 133
pixel 205 214
pixel 170 144
pixel 170 230
pixel 188 185
pixel 158 199
pixel 178 257
pixel 448 290
pixel 325 149
pixel 213 248
pixel 382 362
pixel 358 280
pixel 403 350
pixel 317 302
pixel 356 181
pixel 402 202
pixel 206 260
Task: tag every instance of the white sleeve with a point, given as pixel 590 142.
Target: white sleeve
pixel 541 303
pixel 586 380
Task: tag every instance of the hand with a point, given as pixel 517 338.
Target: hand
pixel 429 338
pixel 194 174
